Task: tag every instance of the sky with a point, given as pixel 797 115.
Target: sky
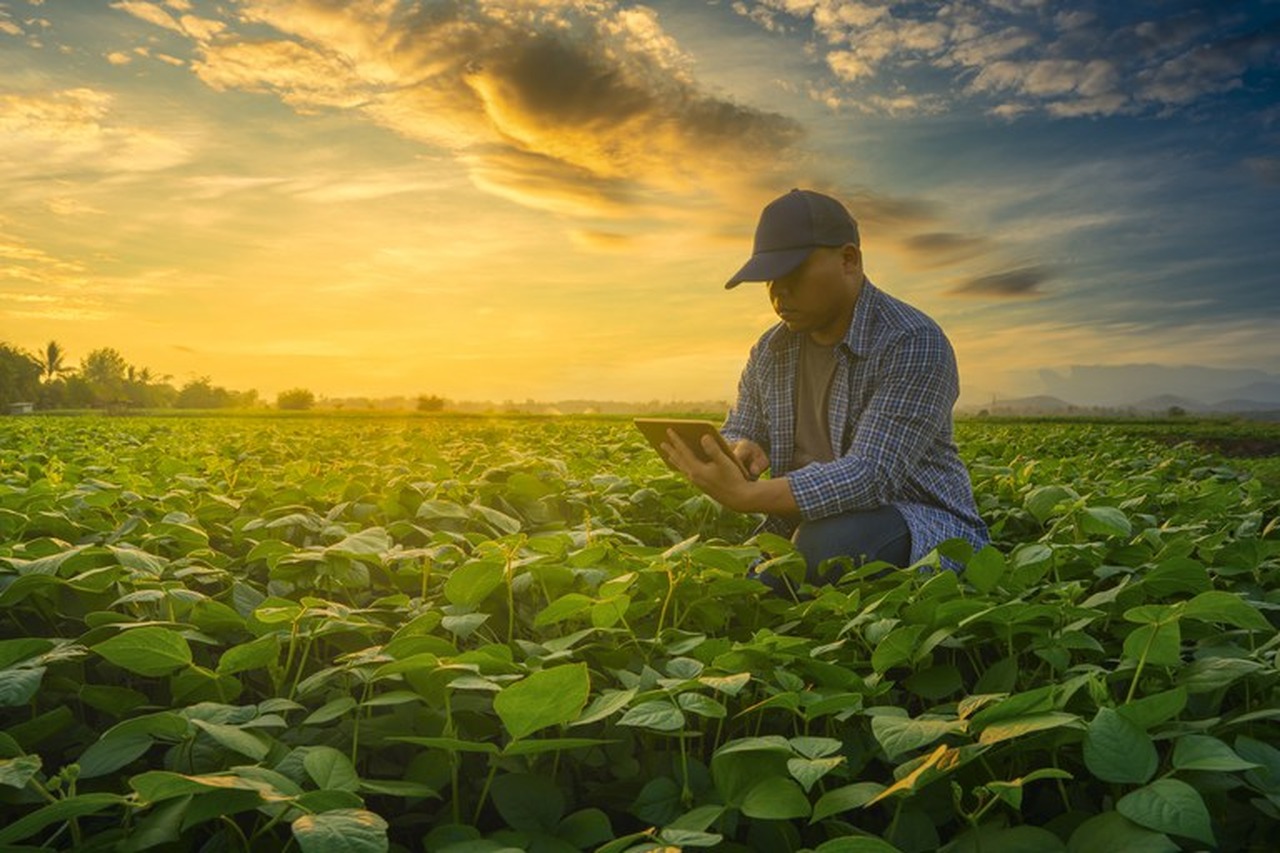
pixel 543 198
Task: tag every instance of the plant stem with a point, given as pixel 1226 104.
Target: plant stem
pixel 484 792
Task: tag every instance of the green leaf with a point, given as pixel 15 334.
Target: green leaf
pixel 681 839
pixel 330 769
pixel 815 747
pixel 605 705
pixel 549 697
pixel 703 706
pixel 1003 730
pixel 372 542
pixel 550 744
pixel 1104 521
pixel 397 788
pixel 1267 777
pixel 17 772
pixel 1159 644
pixel 775 798
pixel 255 654
pixel 585 828
pixel 1227 608
pixel 1157 708
pixel 235 739
pixel 527 802
pixel 843 799
pixel 896 648
pixel 331 710
pixel 1169 805
pixel 70 808
pixel 1116 750
pixel 1201 752
pixel 1214 673
pixel 1176 575
pixel 657 714
pixel 996 839
pixel 155 786
pixel 22 649
pixel 608 612
pixel 985 569
pixel 1041 501
pixel 897 735
pixel 17 686
pixel 563 608
pixel 856 844
pixel 149 650
pixel 1112 832
pixel 108 755
pixel 449 744
pixel 471 583
pixel 807 771
pixel 341 831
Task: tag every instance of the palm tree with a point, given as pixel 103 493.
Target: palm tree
pixel 51 361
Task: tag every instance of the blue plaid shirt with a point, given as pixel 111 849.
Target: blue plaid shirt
pixel 890 422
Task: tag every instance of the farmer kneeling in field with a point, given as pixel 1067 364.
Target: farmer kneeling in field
pixel 847 400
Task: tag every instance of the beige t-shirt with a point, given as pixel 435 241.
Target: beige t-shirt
pixel 813 397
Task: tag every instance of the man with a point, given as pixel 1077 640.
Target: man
pixel 847 400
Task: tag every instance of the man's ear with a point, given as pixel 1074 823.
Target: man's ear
pixel 851 258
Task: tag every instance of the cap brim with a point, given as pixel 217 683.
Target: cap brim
pixel 767 266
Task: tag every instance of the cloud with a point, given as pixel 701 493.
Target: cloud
pixel 1265 169
pixel 152 13
pixel 941 248
pixel 888 214
pixel 1022 57
pixel 1208 68
pixel 580 107
pixel 194 26
pixel 1023 281
pixel 601 241
pixel 75 128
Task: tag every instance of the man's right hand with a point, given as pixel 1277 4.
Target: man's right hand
pixel 752 456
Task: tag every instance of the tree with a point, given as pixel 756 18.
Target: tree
pixel 430 403
pixel 51 361
pixel 19 376
pixel 202 394
pixel 106 372
pixel 297 399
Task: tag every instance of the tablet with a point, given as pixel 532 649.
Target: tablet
pixel 691 432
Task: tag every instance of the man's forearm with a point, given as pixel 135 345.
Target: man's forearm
pixel 772 496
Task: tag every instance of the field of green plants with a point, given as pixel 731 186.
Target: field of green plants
pixel 468 635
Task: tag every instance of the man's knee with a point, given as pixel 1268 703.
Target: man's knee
pixel 866 536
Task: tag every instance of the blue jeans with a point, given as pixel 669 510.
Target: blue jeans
pixel 865 536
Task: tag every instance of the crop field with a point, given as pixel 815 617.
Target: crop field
pixel 464 635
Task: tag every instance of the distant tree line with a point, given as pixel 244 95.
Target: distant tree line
pixel 103 380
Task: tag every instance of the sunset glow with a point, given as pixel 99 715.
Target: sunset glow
pixel 511 200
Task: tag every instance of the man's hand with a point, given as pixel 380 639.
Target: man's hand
pixel 752 457
pixel 722 479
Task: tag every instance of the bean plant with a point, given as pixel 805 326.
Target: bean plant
pixel 462 635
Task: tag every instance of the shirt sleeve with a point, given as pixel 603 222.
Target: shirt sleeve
pixel 918 385
pixel 747 419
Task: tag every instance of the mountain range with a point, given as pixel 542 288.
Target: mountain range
pixel 1144 389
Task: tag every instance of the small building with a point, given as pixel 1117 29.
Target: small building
pixel 21 408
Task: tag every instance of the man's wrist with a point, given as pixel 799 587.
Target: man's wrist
pixel 772 496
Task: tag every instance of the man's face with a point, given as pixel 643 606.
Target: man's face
pixel 817 297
